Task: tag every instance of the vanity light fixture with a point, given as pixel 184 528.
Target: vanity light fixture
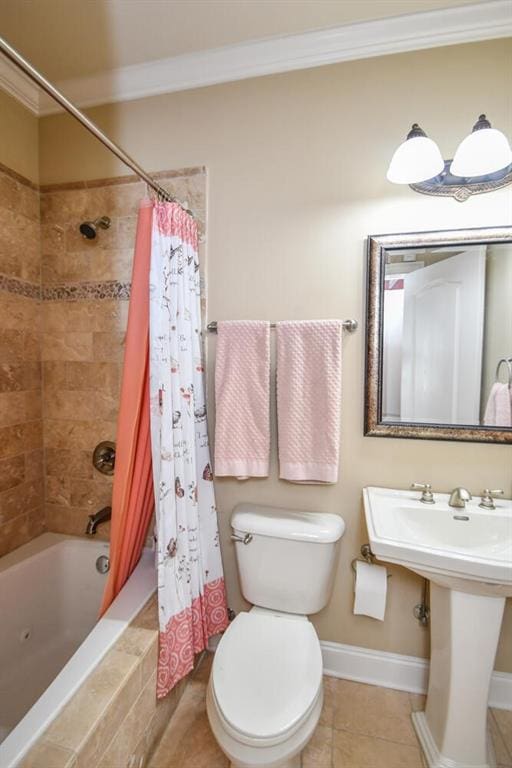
pixel 482 163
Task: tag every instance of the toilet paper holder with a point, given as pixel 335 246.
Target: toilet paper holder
pixel 367 556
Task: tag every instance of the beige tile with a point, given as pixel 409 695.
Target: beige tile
pixel 188 742
pixel 70 405
pixel 503 718
pixel 54 375
pixel 417 701
pixel 20 499
pixel 19 312
pixel 81 435
pixel 373 711
pixel 72 521
pixel 318 752
pixel 67 346
pixel 160 721
pixel 12 472
pixel 108 346
pixel 201 673
pixel 352 750
pixel 102 377
pixel 20 376
pixel 47 755
pixel 130 735
pixel 103 700
pixel 66 267
pixel 75 462
pixel 503 756
pixel 327 714
pixel 91 493
pixel 14 533
pixel 20 437
pixel 58 490
pixel 34 465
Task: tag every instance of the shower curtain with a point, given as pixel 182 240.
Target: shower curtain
pixel 132 494
pixel 191 594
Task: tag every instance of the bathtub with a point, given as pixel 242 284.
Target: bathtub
pixel 50 636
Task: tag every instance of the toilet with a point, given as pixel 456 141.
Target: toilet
pixel 265 693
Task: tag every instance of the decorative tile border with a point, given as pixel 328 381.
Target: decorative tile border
pixel 108 289
pixel 116 180
pixel 18 177
pixel 20 287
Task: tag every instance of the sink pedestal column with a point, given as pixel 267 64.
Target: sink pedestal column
pixel 465 630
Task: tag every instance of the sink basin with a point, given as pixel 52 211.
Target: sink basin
pixel 469 549
pixel 467 555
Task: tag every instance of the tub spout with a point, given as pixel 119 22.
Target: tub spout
pixel 100 517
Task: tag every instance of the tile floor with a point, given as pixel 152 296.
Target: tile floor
pixel 362 726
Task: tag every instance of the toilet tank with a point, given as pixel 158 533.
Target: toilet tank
pixel 289 562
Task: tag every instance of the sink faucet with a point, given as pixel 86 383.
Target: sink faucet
pixel 100 517
pixel 458 498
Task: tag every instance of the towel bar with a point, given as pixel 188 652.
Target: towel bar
pixel 348 325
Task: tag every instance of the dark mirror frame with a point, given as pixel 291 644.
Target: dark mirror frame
pixel 376 250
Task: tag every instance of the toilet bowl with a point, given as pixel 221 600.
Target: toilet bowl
pixel 265 693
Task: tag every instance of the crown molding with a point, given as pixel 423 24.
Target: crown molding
pixel 16 84
pixel 449 26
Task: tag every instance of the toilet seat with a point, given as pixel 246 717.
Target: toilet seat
pixel 266 676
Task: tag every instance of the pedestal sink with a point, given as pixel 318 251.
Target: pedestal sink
pixel 467 555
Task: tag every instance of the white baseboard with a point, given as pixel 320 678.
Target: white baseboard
pixel 393 670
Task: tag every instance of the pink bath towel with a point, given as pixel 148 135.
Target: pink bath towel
pixel 309 400
pixel 498 412
pixel 242 399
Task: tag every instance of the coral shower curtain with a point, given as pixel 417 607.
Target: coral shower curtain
pixel 132 494
pixel 191 594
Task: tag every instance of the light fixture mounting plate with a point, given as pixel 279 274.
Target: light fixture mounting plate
pixel 446 185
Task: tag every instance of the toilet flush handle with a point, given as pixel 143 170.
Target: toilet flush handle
pixel 244 539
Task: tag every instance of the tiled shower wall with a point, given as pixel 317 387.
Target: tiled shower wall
pixel 64 307
pixel 21 464
pixel 85 286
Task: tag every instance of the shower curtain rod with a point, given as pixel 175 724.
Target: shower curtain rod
pixel 50 89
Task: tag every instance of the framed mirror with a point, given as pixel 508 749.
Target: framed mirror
pixel 439 335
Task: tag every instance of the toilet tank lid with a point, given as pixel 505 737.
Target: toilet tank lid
pixel 316 527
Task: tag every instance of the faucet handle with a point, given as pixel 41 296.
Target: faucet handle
pixel 487 501
pixel 427 496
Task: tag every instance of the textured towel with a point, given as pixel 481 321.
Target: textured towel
pixel 309 400
pixel 242 399
pixel 498 412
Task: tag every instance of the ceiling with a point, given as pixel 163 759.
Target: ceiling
pixel 75 38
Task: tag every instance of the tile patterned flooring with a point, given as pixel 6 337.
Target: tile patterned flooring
pixel 362 726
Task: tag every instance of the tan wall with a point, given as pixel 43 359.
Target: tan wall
pixel 19 138
pixel 296 166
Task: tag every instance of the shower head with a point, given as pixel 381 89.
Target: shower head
pixel 89 228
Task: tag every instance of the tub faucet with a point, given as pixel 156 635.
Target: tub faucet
pixel 458 498
pixel 100 517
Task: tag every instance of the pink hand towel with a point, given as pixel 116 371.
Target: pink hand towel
pixel 242 399
pixel 309 400
pixel 498 412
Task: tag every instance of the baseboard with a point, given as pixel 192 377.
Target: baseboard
pixel 393 670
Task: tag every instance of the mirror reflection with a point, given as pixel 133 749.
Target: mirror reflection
pixel 447 335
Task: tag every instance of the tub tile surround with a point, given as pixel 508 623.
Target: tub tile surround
pixel 63 315
pixel 85 291
pixel 114 720
pixel 361 726
pixel 21 441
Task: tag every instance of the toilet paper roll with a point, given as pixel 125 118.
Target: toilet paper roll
pixel 371 590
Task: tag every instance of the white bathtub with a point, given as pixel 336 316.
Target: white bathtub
pixel 50 636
